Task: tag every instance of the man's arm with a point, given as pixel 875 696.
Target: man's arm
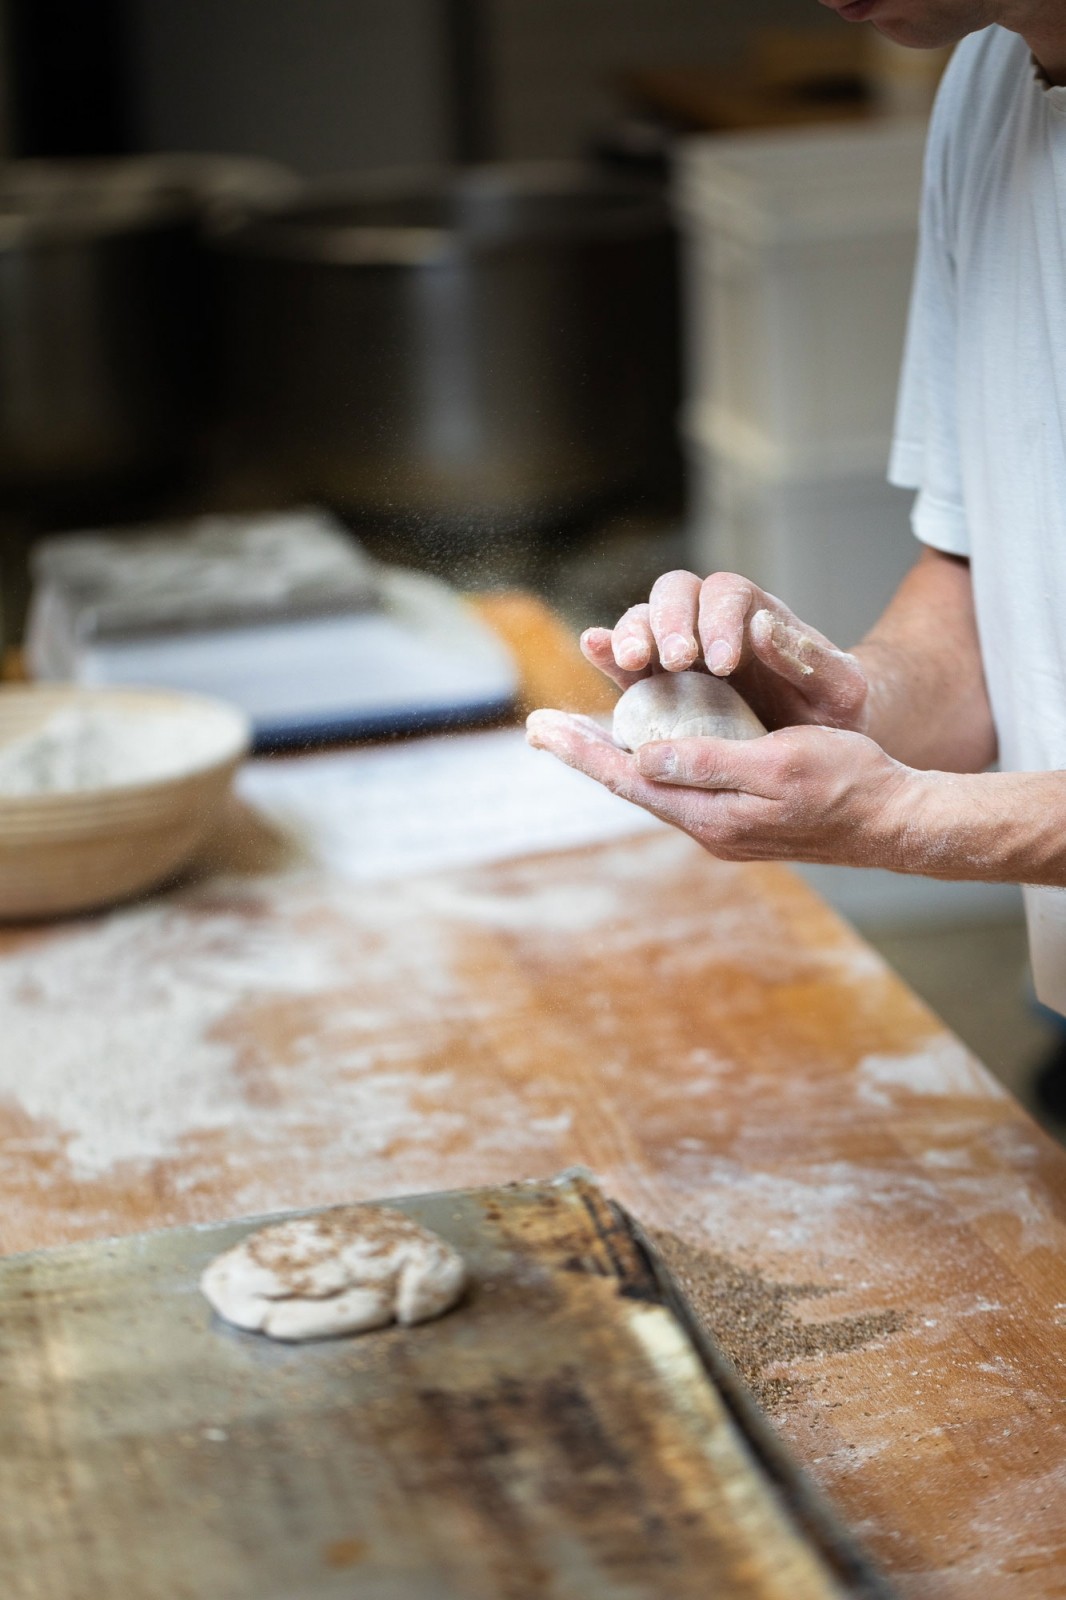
pixel 926 699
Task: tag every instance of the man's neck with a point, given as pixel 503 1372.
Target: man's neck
pixel 1042 25
pixel 1052 69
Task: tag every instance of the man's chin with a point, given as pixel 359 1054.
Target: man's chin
pixel 918 33
pixel 900 32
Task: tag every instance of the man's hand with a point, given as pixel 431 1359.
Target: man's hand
pixel 801 794
pixel 823 786
pixel 788 673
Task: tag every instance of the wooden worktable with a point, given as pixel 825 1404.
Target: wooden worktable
pixel 737 1066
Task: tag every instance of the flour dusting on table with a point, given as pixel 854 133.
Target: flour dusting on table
pixel 941 1069
pixel 133 1031
pixel 108 1029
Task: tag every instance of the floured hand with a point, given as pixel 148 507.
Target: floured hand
pixel 801 794
pixel 787 672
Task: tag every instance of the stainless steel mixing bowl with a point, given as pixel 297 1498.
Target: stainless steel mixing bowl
pixel 105 313
pixel 489 347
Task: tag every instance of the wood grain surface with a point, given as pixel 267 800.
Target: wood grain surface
pixel 740 1069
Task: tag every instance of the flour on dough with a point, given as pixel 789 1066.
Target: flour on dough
pixel 343 1271
pixel 682 705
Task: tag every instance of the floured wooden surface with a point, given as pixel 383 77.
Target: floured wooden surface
pixel 741 1071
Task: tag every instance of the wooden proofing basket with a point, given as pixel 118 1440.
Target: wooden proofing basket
pixel 74 851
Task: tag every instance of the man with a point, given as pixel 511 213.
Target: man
pixel 878 756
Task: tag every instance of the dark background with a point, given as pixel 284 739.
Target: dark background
pixel 330 85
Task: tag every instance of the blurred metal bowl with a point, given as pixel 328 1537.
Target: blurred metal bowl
pixel 104 313
pixel 456 349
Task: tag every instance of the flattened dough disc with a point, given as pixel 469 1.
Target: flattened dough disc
pixel 343 1271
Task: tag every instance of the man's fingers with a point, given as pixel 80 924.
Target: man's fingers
pixel 545 728
pixel 746 766
pixel 726 601
pixel 831 679
pixel 597 646
pixel 632 640
pixel 791 673
pixel 582 743
pixel 673 608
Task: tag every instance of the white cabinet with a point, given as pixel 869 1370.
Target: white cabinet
pixel 798 253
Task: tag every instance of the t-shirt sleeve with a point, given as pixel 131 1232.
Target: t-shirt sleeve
pixel 925 453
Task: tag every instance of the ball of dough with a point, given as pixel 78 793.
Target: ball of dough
pixel 344 1271
pixel 682 705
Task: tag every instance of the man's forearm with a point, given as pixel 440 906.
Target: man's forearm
pixel 928 706
pixel 991 827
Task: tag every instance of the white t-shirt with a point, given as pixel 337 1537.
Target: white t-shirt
pixel 981 422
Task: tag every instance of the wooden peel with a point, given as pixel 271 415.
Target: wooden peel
pixel 559 1433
